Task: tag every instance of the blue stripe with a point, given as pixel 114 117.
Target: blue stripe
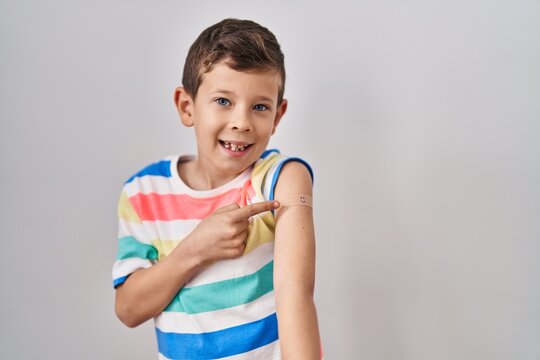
pixel 119 281
pixel 268 152
pixel 160 168
pixel 217 344
pixel 278 170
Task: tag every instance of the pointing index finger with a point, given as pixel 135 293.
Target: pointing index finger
pixel 254 209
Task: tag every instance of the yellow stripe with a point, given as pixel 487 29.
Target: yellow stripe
pixel 260 171
pixel 165 247
pixel 126 210
pixel 261 231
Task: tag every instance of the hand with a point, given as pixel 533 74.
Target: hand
pixel 223 234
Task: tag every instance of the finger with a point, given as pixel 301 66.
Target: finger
pixel 243 224
pixel 227 208
pixel 254 209
pixel 239 240
pixel 234 253
pixel 237 244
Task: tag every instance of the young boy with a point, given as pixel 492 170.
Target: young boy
pixel 219 248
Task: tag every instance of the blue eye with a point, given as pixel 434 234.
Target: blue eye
pixel 260 107
pixel 223 101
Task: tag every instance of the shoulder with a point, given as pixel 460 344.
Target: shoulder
pixel 282 171
pixel 295 176
pixel 160 168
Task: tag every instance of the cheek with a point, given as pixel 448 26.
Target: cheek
pixel 204 133
pixel 264 136
pixel 270 128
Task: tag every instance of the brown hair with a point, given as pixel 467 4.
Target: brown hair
pixel 241 44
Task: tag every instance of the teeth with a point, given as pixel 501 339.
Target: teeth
pixel 234 147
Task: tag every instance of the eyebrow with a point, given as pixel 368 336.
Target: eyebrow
pixel 228 92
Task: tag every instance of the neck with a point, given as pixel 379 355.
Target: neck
pixel 198 175
pixel 208 179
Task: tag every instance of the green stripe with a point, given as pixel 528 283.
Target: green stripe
pixel 130 247
pixel 224 294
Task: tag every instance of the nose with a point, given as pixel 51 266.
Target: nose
pixel 241 122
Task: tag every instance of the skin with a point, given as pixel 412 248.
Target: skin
pixel 233 106
pixel 236 106
pixel 220 236
pixel 294 268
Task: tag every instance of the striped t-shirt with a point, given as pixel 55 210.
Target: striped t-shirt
pixel 228 309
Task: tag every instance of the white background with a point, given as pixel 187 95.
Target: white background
pixel 420 119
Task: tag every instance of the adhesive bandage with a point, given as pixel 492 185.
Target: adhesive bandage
pixel 297 200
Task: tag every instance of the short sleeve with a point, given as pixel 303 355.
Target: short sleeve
pixel 273 174
pixel 135 250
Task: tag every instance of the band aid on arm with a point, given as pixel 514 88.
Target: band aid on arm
pixel 296 200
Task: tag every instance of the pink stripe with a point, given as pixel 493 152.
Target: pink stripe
pixel 152 206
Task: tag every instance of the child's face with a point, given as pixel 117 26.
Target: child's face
pixel 234 114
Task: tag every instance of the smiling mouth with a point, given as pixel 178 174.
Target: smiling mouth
pixel 234 147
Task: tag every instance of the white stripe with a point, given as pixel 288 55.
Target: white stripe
pixel 138 231
pixel 153 230
pixel 267 352
pixel 127 266
pixel 167 230
pixel 233 268
pixel 254 200
pixel 268 177
pixel 181 187
pixel 170 230
pixel 173 185
pixel 150 184
pixel 180 322
pixel 220 270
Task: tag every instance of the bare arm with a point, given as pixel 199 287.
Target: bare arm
pixel 147 292
pixel 294 271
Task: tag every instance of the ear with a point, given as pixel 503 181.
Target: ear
pixel 184 104
pixel 282 108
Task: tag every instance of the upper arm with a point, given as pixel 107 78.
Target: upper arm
pixel 294 255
